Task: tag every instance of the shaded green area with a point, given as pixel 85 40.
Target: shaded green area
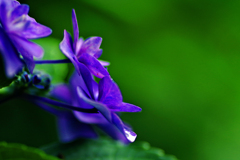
pixel 104 148
pixel 14 151
pixel 178 60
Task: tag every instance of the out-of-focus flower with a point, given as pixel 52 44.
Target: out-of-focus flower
pixel 84 92
pixel 16 29
pixel 85 52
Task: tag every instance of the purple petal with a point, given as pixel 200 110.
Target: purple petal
pixel 3 13
pixel 76 80
pixel 19 11
pixel 99 106
pixel 75 30
pixel 26 47
pixel 61 92
pixel 113 132
pixel 85 82
pixel 104 63
pixel 70 128
pixel 98 53
pixel 87 78
pixel 109 93
pixel 10 4
pixel 29 61
pixel 93 65
pixel 66 46
pixel 129 134
pixel 125 107
pixel 15 4
pixel 92 118
pixel 36 30
pixel 91 46
pixel 78 47
pixel 13 63
pixel 95 90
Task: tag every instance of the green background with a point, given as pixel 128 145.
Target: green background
pixel 177 60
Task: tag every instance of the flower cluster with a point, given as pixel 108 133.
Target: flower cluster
pixel 89 103
pixel 16 29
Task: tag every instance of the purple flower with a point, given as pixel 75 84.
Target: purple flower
pixel 106 97
pixel 85 52
pixel 16 29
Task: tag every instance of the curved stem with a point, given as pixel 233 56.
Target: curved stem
pixel 52 61
pixel 60 104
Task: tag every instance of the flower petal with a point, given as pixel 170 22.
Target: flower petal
pixel 93 65
pixel 77 80
pixel 71 128
pixel 91 46
pixel 15 4
pixel 129 134
pixel 3 13
pixel 27 49
pixel 92 118
pixel 104 63
pixel 35 30
pixel 78 47
pixel 10 4
pixel 66 46
pixel 109 93
pixel 87 78
pixel 113 132
pixel 25 46
pixel 125 107
pixel 98 53
pixel 18 12
pixel 61 92
pixel 75 30
pixel 13 63
pixel 85 82
pixel 29 61
pixel 99 106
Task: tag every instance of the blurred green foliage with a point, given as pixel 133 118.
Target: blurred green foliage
pixel 178 60
pixel 107 149
pixel 15 151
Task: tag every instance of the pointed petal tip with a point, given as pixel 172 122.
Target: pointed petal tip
pixel 73 11
pixel 65 32
pixel 126 107
pixel 130 135
pixel 74 16
pixel 131 107
pixel 49 31
pixel 97 40
pixel 104 63
pixel 136 109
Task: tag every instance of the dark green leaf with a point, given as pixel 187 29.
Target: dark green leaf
pixel 14 151
pixel 107 150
